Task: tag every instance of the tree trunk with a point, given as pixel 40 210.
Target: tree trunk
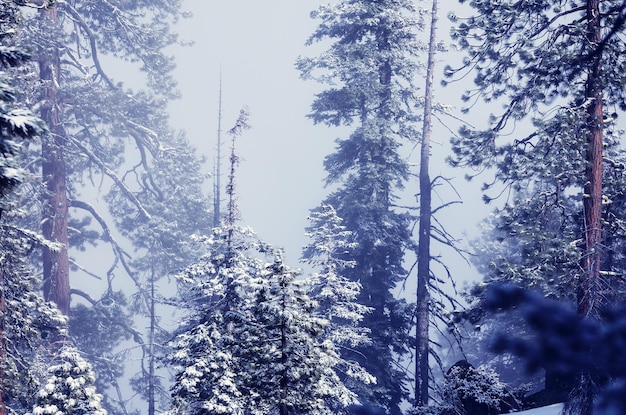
pixel 217 190
pixel 284 381
pixel 590 289
pixel 3 346
pixel 55 204
pixel 423 251
pixel 151 356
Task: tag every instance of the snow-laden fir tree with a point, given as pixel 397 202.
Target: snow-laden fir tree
pixel 69 387
pixel 336 295
pixel 254 340
pixel 26 320
pixel 368 70
pixel 215 291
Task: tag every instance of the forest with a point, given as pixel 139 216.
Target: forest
pixel 131 282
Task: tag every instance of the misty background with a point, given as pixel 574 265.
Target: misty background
pixel 252 46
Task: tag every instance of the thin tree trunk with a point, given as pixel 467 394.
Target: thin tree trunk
pixel 55 211
pixel 3 346
pixel 590 289
pixel 151 357
pixel 217 191
pixel 284 382
pixel 423 252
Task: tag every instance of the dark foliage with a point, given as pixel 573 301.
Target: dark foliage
pixel 587 350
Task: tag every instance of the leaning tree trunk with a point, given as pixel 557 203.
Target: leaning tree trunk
pixel 590 288
pixel 423 250
pixel 55 211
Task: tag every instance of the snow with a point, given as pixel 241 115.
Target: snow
pixel 545 410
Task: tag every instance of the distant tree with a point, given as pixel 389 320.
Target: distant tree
pixel 369 68
pixel 170 186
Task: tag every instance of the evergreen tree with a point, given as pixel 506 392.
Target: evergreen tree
pixel 26 320
pixel 559 66
pixel 336 295
pixel 254 340
pixel 16 123
pixel 69 388
pixel 369 67
pixel 555 70
pixel 106 137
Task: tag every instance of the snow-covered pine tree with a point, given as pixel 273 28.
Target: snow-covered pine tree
pixel 297 363
pixel 25 319
pixel 336 295
pixel 558 66
pixel 369 68
pixel 69 388
pixel 107 137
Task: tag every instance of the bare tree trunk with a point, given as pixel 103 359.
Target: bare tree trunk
pixel 217 190
pixel 55 211
pixel 423 252
pixel 590 288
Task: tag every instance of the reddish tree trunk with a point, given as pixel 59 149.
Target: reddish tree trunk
pixel 590 288
pixel 55 203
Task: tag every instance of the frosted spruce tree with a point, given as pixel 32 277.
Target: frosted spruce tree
pixel 254 340
pixel 369 69
pixel 69 388
pixel 336 295
pixel 557 66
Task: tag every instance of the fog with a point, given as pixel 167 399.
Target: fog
pixel 252 46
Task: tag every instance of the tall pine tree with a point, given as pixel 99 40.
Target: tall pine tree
pixel 369 69
pixel 558 66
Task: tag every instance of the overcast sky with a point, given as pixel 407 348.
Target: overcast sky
pixel 255 45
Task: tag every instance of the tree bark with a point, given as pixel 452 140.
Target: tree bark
pixel 55 210
pixel 151 356
pixel 590 287
pixel 284 381
pixel 217 190
pixel 3 346
pixel 423 250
